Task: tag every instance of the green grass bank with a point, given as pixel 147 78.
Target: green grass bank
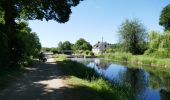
pixel 89 85
pixel 138 59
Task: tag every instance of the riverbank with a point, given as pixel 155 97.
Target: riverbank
pixel 89 84
pixel 138 59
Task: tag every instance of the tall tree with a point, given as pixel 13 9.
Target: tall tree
pixel 82 44
pixel 165 18
pixel 159 44
pixel 28 43
pixel 66 45
pixel 58 10
pixel 133 36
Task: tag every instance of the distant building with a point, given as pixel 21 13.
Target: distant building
pixel 100 47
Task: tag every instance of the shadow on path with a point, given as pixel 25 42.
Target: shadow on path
pixel 45 81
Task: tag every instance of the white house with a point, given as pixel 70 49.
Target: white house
pixel 100 47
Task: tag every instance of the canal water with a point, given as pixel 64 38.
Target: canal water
pixel 147 83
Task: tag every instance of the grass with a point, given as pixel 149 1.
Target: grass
pixel 86 80
pixel 60 57
pixel 77 69
pixel 139 59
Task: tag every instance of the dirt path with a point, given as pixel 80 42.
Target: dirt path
pixel 45 81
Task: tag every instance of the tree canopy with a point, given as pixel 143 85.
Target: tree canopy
pixel 133 36
pixel 82 44
pixel 165 17
pixel 159 44
pixel 66 45
pixel 13 11
pixel 58 10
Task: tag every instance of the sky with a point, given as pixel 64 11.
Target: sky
pixel 94 19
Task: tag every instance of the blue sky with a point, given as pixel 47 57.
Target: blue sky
pixel 92 19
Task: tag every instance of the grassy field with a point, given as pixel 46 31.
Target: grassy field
pixel 88 84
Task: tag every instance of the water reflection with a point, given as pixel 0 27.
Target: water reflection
pixel 146 83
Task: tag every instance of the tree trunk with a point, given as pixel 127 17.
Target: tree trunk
pixel 10 25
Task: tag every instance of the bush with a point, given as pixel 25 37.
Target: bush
pixel 149 51
pixel 55 51
pixel 162 53
pixel 91 54
pixel 86 52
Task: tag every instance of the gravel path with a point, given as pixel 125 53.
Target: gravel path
pixel 45 81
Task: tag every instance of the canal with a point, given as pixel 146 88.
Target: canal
pixel 147 83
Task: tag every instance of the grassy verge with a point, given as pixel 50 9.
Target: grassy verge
pixel 60 57
pixel 86 81
pixel 139 59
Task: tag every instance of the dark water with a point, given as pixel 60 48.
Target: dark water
pixel 147 83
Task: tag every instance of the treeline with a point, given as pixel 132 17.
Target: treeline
pixel 136 40
pixel 17 42
pixel 27 45
pixel 81 46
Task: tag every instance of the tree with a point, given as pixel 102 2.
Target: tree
pixel 158 44
pixel 65 46
pixel 3 46
pixel 14 10
pixel 164 19
pixel 82 44
pixel 133 36
pixel 28 43
pixel 154 39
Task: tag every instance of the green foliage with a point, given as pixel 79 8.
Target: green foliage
pixel 164 19
pixel 140 59
pixel 64 46
pixel 12 11
pixel 60 57
pixel 117 47
pixel 133 36
pixel 110 50
pixel 58 10
pixel 82 44
pixel 84 52
pixel 91 54
pixel 159 44
pixel 3 47
pixel 45 49
pixel 87 77
pixel 54 50
pixel 2 17
pixel 154 39
pixel 28 43
pixel 78 69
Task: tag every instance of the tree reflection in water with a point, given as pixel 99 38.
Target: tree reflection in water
pixel 146 83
